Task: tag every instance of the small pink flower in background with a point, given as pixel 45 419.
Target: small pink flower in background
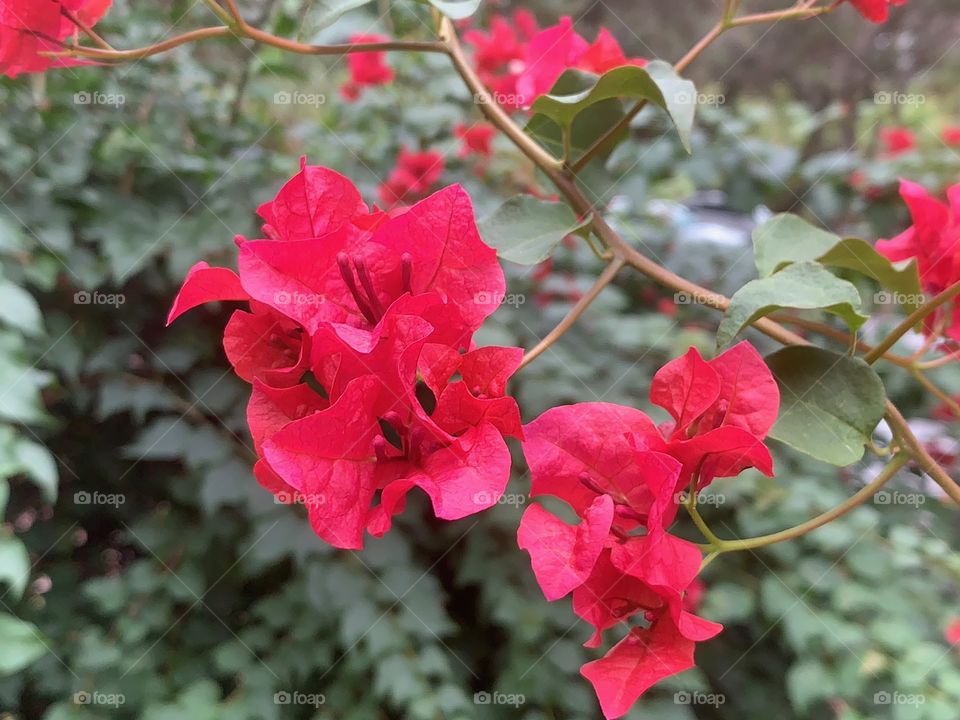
pixel 477 139
pixel 932 241
pixel 366 68
pixel 412 178
pixel 951 135
pixel 897 140
pixel 877 11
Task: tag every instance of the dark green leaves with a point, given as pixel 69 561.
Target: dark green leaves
pixel 576 92
pixel 787 239
pixel 804 286
pixel 829 403
pixel 525 230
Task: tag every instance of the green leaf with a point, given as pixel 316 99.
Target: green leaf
pixel 21 642
pixel 525 229
pixel 657 82
pixel 39 465
pixel 585 131
pixel 18 309
pixel 14 565
pixel 4 496
pixel 456 9
pixel 809 681
pixel 325 13
pixel 786 239
pixel 829 403
pixel 804 286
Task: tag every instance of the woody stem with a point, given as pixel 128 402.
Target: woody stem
pixel 716 545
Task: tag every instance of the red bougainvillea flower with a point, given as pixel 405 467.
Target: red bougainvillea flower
pixel 366 68
pixel 722 410
pixel 498 54
pixel 876 10
pixel 413 177
pixel 951 135
pixel 31 27
pixel 558 48
pixel 619 561
pixel 358 344
pixel 896 141
pixel 932 240
pixel 518 63
pixel 477 139
pixel 621 475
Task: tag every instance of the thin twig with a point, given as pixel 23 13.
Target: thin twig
pixel 862 495
pixel 606 277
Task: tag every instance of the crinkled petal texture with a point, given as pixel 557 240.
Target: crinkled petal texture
pixel 722 411
pixel 357 338
pixel 931 240
pixel 622 476
pixel 31 27
pixel 573 450
pixel 635 664
pixel 563 556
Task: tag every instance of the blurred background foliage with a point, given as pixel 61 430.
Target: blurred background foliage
pixel 138 557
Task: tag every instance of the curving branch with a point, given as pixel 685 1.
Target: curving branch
pixel 606 277
pixel 622 250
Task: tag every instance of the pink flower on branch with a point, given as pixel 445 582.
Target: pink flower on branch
pixel 29 28
pixel 623 477
pixel 358 341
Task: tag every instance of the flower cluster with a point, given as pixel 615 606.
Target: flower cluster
pixel 877 11
pixel 520 64
pixel 624 477
pixel 31 27
pixel 366 68
pixel 358 343
pixel 414 176
pixel 933 241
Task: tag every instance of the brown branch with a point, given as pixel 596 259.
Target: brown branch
pixel 661 275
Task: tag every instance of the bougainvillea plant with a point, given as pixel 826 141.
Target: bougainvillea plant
pixel 355 326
